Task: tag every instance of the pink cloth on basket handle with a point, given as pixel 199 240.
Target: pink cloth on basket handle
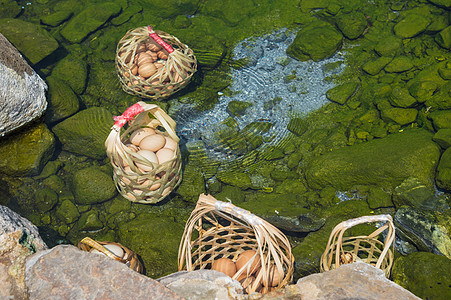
pixel 128 115
pixel 159 40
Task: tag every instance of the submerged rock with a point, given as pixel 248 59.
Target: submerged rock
pixel 424 274
pixel 62 100
pixel 72 70
pixel 383 162
pixel 352 24
pixel 91 185
pixel 411 25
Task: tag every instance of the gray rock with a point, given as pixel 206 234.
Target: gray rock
pixel 22 91
pixel 18 239
pixel 202 284
pixel 65 272
pixel 352 281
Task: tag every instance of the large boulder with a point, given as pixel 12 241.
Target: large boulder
pixel 22 91
pixel 384 162
pixel 27 152
pixel 85 132
pixel 18 239
pixel 34 42
pixel 65 272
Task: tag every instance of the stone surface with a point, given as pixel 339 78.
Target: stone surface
pixel 202 284
pixel 85 132
pixel 74 71
pixel 443 177
pixel 385 162
pixel 18 239
pixel 65 272
pixel 351 281
pixel 22 91
pixel 411 25
pixel 27 152
pixel 91 185
pixel 34 42
pixel 62 100
pixel 352 24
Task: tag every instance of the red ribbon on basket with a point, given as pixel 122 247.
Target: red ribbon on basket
pixel 128 115
pixel 159 40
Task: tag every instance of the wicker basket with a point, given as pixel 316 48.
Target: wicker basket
pixel 369 249
pixel 219 229
pixel 153 64
pixel 139 177
pixel 129 258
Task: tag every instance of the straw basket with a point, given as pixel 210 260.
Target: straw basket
pixel 145 173
pixel 369 249
pixel 153 64
pixel 116 251
pixel 218 230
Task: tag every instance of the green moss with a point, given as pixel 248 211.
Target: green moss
pixel 91 186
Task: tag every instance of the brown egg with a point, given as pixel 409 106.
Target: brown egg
pixel 152 187
pixel 158 65
pixel 247 284
pixel 147 70
pixel 164 155
pixel 134 69
pixel 153 54
pixel 126 74
pixel 144 58
pixel 139 134
pixel 166 191
pixel 162 54
pixel 224 265
pixel 243 259
pixel 152 45
pixel 141 48
pixel 152 142
pixel 150 156
pixel 274 277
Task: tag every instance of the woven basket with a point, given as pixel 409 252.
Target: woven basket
pixel 369 249
pixel 130 258
pixel 219 229
pixel 138 177
pixel 153 64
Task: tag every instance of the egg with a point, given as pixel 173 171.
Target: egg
pixel 150 156
pixel 153 187
pixel 153 46
pixel 144 58
pixel 244 258
pixel 274 277
pixel 224 265
pixel 166 191
pixel 146 70
pixel 152 142
pixel 170 143
pixel 139 134
pixel 115 249
pixel 162 54
pixel 164 155
pixel 247 284
pixel 134 69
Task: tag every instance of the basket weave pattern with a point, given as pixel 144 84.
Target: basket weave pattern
pixel 130 258
pixel 133 182
pixel 219 229
pixel 369 249
pixel 164 74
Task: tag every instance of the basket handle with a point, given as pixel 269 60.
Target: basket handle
pixel 159 40
pixel 366 219
pixel 90 242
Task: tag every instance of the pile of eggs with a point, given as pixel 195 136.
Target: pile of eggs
pixel 249 275
pixel 149 59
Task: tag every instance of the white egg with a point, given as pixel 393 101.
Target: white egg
pixel 118 251
pixel 152 142
pixel 149 155
pixel 164 155
pixel 139 134
pixel 170 143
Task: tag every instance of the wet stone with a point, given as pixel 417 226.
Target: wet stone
pixel 443 38
pixel 411 25
pixel 443 138
pixel 378 198
pixel 67 212
pixel 399 64
pixel 388 46
pixel 400 97
pixel 413 192
pixel 340 94
pixel 401 116
pixel 56 18
pixel 352 24
pixel 375 66
pixel 91 186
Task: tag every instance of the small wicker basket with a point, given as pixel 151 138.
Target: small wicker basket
pixel 219 229
pixel 129 258
pixel 139 175
pixel 369 249
pixel 153 64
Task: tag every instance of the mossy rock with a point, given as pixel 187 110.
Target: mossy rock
pixel 388 46
pixel 156 240
pixel 127 14
pixel 238 108
pixel 193 184
pixel 67 212
pixel 297 126
pixel 379 198
pixel 72 70
pixel 46 199
pixel 235 178
pixel 411 25
pixel 26 153
pixel 117 205
pixel 381 162
pixel 399 64
pixel 341 93
pixel 62 100
pixel 401 116
pixel 373 67
pixel 423 90
pixel 443 178
pixel 89 20
pixel 352 24
pixel 443 38
pixel 400 97
pixel 443 138
pixel 441 119
pixel 9 9
pixel 89 221
pixel 85 132
pixel 34 42
pixel 413 192
pixel 424 274
pixel 316 41
pixel 57 18
pixel 91 185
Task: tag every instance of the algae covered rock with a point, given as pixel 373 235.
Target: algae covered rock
pixel 388 46
pixel 91 185
pixel 89 20
pixel 237 108
pixel 373 67
pixel 443 38
pixel 72 70
pixel 413 192
pixel 235 178
pixel 27 152
pixel 46 199
pixel 192 185
pixel 340 94
pixel 443 138
pixel 399 64
pixel 441 119
pixel 34 42
pixel 297 126
pixel 443 178
pixel 56 18
pixel 156 240
pixel 352 24
pixel 411 25
pixel 424 274
pixel 378 198
pixel 67 212
pixel 9 9
pixel 85 132
pixel 401 116
pixel 382 162
pixel 316 41
pixel 401 97
pixel 62 100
